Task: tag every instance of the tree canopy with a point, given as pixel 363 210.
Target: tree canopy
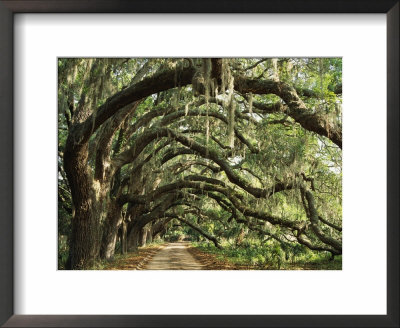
pixel 230 148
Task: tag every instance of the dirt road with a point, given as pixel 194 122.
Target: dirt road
pixel 174 256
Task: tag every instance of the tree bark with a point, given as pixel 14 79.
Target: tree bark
pixel 85 237
pixel 143 237
pixel 133 238
pixel 124 237
pixel 110 230
pixel 149 237
pixel 200 231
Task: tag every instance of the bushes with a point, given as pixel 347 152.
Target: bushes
pixel 271 255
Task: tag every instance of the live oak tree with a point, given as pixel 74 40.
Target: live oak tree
pixel 223 146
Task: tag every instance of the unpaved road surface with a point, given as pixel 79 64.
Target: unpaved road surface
pixel 174 256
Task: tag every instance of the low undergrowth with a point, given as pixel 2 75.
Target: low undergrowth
pixel 267 257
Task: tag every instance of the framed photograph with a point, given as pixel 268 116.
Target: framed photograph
pixel 183 165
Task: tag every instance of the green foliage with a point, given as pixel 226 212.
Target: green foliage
pixel 271 256
pixel 175 235
pixel 270 148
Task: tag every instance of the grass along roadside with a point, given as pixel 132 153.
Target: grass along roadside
pixel 259 258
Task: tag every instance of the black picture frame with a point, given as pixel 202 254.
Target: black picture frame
pixel 7 11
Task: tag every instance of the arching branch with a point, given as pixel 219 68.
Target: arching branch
pixel 163 80
pixel 294 107
pixel 152 134
pixel 314 219
pixel 199 230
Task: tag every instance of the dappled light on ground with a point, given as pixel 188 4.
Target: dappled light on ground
pixel 174 256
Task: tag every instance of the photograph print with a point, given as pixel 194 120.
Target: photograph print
pixel 200 163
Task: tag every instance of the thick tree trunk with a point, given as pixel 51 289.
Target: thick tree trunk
pixel 110 232
pixel 84 241
pixel 124 242
pixel 85 237
pixel 133 238
pixel 143 236
pixel 159 228
pixel 149 237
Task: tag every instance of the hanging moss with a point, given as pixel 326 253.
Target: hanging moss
pixel 225 73
pixel 207 131
pixel 278 161
pixel 275 75
pixel 231 112
pixel 231 124
pixel 206 67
